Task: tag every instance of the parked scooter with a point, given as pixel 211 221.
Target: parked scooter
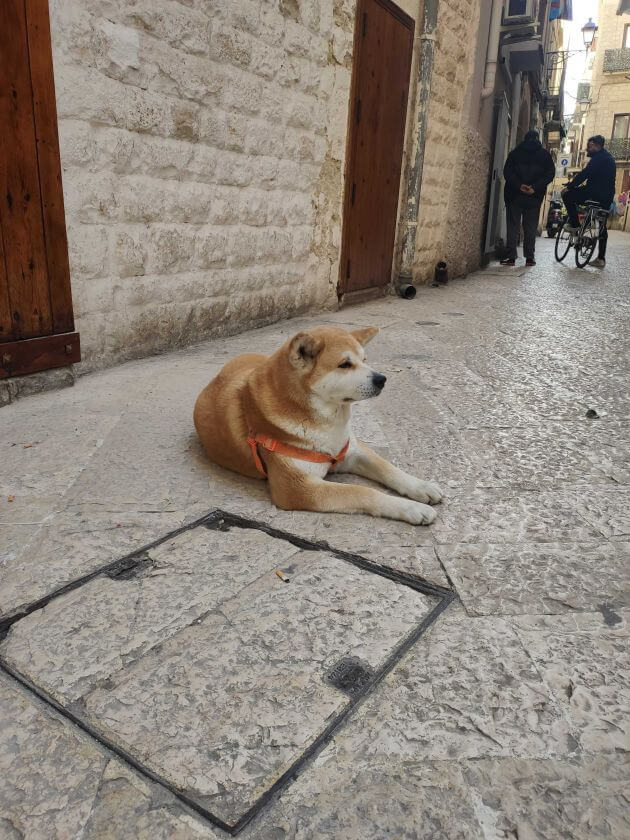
pixel 556 216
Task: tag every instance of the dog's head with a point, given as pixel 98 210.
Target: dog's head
pixel 330 364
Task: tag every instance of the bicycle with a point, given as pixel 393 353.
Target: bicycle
pixel 587 236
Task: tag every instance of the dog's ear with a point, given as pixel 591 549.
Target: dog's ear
pixel 365 335
pixel 304 349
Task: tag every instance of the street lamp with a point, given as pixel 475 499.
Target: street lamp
pixel 588 33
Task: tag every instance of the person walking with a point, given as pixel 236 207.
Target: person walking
pixel 528 169
pixel 599 174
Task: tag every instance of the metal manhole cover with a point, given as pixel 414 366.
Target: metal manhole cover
pixel 351 675
pixel 198 664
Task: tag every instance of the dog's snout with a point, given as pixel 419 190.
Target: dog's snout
pixel 378 379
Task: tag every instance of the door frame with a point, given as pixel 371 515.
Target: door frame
pixel 495 222
pixel 359 22
pixel 61 346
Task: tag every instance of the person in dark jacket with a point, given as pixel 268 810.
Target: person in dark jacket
pixel 600 174
pixel 528 169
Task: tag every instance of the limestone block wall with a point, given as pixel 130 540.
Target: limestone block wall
pixel 202 146
pixel 457 156
pixel 203 151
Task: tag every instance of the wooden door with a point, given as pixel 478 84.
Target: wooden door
pixel 380 85
pixel 36 319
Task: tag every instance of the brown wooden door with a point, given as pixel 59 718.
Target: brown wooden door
pixel 380 85
pixel 36 319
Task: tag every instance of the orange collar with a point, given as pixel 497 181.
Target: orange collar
pixel 292 451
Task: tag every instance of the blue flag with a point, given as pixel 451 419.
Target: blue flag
pixel 560 9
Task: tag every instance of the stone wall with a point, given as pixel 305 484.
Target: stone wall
pixel 203 152
pixel 202 146
pixel 457 157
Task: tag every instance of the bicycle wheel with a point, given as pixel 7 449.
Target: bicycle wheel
pixel 563 243
pixel 587 240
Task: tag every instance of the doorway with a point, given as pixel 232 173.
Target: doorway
pixel 36 317
pixel 383 49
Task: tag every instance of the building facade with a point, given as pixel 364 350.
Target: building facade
pixel 228 164
pixel 605 102
pixel 527 94
pixel 210 154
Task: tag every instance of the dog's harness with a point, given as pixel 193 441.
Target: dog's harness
pixel 272 445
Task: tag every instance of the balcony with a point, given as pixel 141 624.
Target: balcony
pixel 619 147
pixel 617 61
pixel 522 55
pixel 552 105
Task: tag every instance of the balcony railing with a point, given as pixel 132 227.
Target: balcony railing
pixel 619 147
pixel 617 61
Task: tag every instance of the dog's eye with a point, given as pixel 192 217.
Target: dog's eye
pixel 346 364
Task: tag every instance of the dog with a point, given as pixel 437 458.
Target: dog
pixel 287 417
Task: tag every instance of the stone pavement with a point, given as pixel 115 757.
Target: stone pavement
pixel 155 669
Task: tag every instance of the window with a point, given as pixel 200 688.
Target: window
pixel 517 8
pixel 520 11
pixel 626 36
pixel 621 126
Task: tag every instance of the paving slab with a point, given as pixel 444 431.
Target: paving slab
pixel 585 659
pixel 468 689
pixel 212 673
pixel 57 782
pixel 539 577
pixel 76 542
pixel 540 455
pixel 609 511
pixel 514 516
pixel 91 632
pixel 581 798
pixel 388 799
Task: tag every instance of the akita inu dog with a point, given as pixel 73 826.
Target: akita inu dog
pixel 287 417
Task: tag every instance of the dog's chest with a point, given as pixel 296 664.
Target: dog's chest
pixel 328 439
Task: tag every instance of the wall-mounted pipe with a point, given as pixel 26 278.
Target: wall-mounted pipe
pixel 404 284
pixel 492 53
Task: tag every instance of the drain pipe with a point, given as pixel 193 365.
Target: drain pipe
pixel 405 286
pixel 492 53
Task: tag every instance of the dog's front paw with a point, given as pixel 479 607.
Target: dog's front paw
pixel 426 491
pixel 415 513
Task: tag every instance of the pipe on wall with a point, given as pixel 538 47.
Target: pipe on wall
pixel 405 286
pixel 492 53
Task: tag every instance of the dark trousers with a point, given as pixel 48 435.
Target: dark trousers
pixel 576 196
pixel 528 214
pixel 601 245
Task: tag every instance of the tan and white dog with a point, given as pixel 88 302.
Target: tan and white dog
pixel 288 417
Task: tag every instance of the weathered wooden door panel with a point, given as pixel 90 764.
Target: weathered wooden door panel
pixel 35 296
pixel 383 51
pixel 53 214
pixel 20 210
pixel 5 308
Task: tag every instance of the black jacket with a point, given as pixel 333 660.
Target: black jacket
pixel 528 164
pixel 600 174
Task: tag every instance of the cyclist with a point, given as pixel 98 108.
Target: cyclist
pixel 599 174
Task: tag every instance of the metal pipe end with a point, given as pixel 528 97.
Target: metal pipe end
pixel 407 291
